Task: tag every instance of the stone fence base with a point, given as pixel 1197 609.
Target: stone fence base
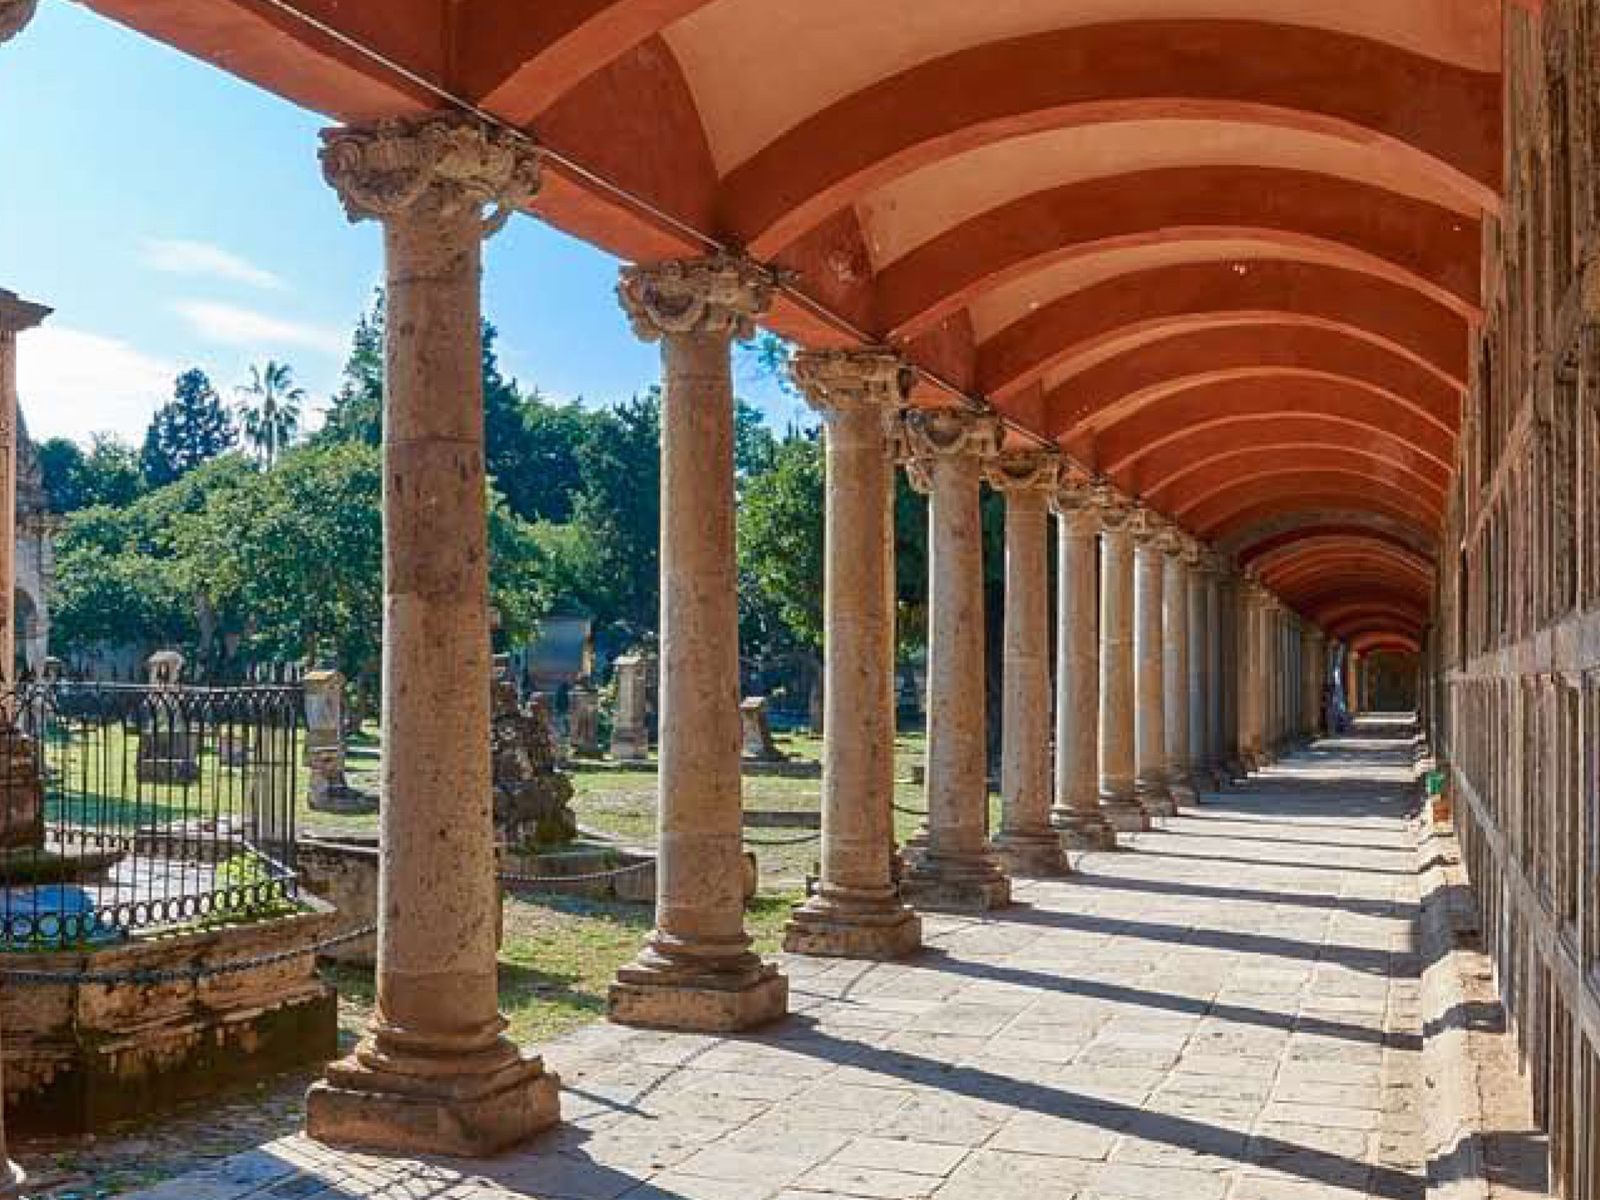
pixel 81 1056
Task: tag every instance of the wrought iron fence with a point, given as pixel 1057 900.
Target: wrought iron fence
pixel 132 807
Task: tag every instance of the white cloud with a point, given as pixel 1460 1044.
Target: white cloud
pixel 177 256
pixel 74 383
pixel 236 326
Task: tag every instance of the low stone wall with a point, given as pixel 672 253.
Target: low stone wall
pixel 344 875
pixel 1479 1106
pixel 80 1056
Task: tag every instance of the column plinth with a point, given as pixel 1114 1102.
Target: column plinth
pixel 856 911
pixel 1152 788
pixel 434 1072
pixel 953 868
pixel 696 970
pixel 1118 801
pixel 1076 814
pixel 1026 842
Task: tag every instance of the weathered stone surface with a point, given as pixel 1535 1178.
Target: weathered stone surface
pixel 756 732
pixel 532 796
pixel 630 730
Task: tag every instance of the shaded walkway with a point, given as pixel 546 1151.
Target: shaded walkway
pixel 1229 1012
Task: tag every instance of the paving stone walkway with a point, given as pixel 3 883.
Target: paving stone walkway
pixel 1226 1011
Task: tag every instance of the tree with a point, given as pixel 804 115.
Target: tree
pixel 111 473
pixel 61 464
pixel 270 411
pixel 356 414
pixel 191 429
pixel 781 551
pixel 619 511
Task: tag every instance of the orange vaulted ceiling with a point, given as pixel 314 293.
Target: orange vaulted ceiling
pixel 1223 251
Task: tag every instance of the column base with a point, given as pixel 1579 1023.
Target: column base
pixel 698 1003
pixel 823 929
pixel 1124 814
pixel 1155 798
pixel 460 1116
pixel 1184 793
pixel 1037 854
pixel 966 884
pixel 1084 831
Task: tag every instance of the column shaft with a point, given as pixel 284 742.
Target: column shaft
pixel 1077 787
pixel 1199 677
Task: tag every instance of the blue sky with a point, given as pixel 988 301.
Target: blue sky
pixel 174 216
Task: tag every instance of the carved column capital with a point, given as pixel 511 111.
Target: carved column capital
pixel 448 161
pixel 1075 504
pixel 840 381
pixel 17 314
pixel 1030 472
pixel 1115 513
pixel 928 435
pixel 719 294
pixel 14 14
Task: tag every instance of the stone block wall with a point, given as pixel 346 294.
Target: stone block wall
pixel 1516 640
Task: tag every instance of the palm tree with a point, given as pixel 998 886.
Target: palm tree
pixel 270 409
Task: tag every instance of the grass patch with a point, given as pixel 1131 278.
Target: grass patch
pixel 559 957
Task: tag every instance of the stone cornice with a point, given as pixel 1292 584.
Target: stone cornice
pixel 837 381
pixel 14 14
pixel 719 294
pixel 17 314
pixel 449 162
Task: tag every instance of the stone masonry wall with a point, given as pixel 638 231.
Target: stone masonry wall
pixel 1517 635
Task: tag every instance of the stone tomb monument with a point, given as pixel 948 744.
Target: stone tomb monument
pixel 532 798
pixel 630 730
pixel 169 742
pixel 757 730
pixel 328 790
pixel 583 723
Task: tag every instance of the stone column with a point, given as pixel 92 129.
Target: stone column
pixel 1247 661
pixel 1118 798
pixel 954 868
pixel 696 970
pixel 16 316
pixel 1076 813
pixel 1026 843
pixel 1199 678
pixel 1316 669
pixel 434 1072
pixel 1175 672
pixel 1153 545
pixel 856 910
pixel 1223 604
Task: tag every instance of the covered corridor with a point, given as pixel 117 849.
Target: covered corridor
pixel 1229 1013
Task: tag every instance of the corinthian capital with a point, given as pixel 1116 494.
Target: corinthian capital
pixel 721 293
pixel 450 162
pixel 14 14
pixel 1034 472
pixel 838 381
pixel 931 434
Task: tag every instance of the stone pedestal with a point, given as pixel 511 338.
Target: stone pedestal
pixel 327 788
pixel 583 723
pixel 1026 843
pixel 1075 813
pixel 756 733
pixel 630 728
pixel 1117 798
pixel 856 910
pixel 954 869
pixel 696 970
pixel 434 1073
